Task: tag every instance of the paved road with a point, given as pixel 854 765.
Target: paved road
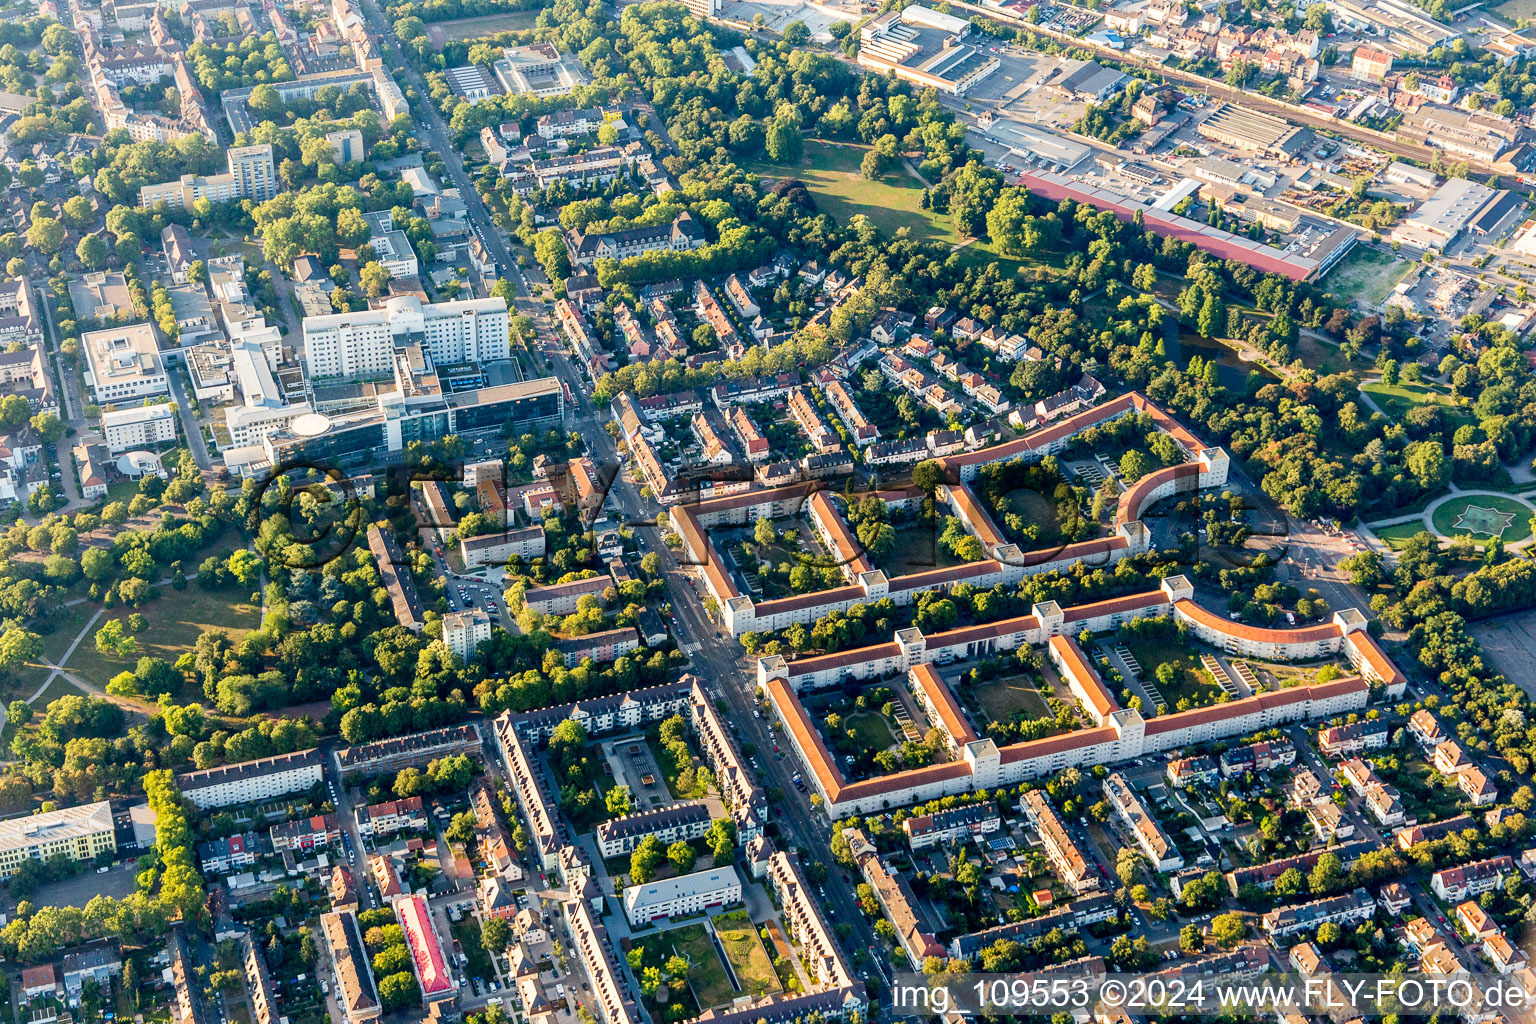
pixel 435 129
pixel 189 425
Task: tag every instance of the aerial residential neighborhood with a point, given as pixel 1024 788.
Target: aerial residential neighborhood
pixel 737 511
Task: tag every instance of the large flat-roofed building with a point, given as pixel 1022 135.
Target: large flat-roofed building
pixel 355 991
pixel 252 782
pixel 251 174
pixel 79 833
pixel 924 47
pixel 1255 132
pixel 124 363
pixel 682 894
pixel 138 426
pixel 1457 206
pixel 362 344
pixel 539 70
pixel 399 418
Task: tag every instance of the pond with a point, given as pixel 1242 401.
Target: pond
pixel 1231 370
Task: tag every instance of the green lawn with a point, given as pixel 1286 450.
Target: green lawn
pixel 1509 517
pixel 1366 275
pixel 1034 508
pixel 832 174
pixel 706 975
pixel 891 203
pixel 1189 678
pixel 1396 537
pixel 916 550
pixel 1396 400
pixel 176 619
pixel 872 730
pixel 467 931
pixel 753 967
pixel 1003 699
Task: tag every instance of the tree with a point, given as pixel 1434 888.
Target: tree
pixel 784 142
pixel 1229 929
pixel 92 251
pixel 1127 866
pixel 645 859
pixel 112 641
pixel 18 646
pixel 1190 939
pixel 1327 875
pixel 1009 224
pixel 682 856
pixel 399 990
pixel 763 532
pixel 1329 934
pixel 617 800
pixel 46 235
pixel 495 935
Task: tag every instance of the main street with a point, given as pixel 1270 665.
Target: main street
pixel 431 124
pixel 717 659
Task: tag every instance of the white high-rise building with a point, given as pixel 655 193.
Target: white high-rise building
pixel 362 344
pixel 464 631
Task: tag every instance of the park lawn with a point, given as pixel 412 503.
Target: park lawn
pixel 706 974
pixel 1397 400
pixel 1004 699
pixel 750 961
pixel 831 172
pixel 1519 527
pixel 176 619
pixel 483 25
pixel 1189 680
pixel 871 730
pixel 59 629
pixel 1366 275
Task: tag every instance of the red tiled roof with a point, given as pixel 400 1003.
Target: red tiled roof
pixel 1251 705
pixel 901 780
pixel 1225 626
pixel 748 498
pixel 696 538
pixel 1370 652
pixel 926 678
pixel 857 656
pixel 975 515
pixel 1135 500
pixel 1114 605
pixel 929 579
pixel 1087 677
pixel 1055 744
pixel 1082 551
pixel 985 631
pixel 849 551
pixel 1131 401
pixel 814 599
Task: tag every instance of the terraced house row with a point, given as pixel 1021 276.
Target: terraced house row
pixel 1005 561
pixel 1120 733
